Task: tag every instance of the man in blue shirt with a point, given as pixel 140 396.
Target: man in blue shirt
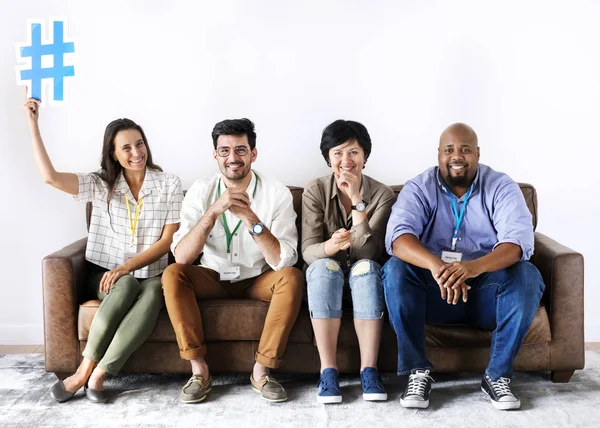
pixel 460 235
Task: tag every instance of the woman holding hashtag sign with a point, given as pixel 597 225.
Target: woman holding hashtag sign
pixel 344 217
pixel 135 214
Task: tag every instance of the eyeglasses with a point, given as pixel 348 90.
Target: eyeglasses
pixel 224 151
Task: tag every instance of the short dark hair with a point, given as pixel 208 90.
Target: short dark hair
pixel 341 131
pixel 235 127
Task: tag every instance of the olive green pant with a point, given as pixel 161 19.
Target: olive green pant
pixel 124 320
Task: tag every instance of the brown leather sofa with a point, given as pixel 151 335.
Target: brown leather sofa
pixel 555 341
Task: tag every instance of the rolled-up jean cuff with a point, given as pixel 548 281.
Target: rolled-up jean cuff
pixel 326 314
pixel 192 354
pixel 368 315
pixel 272 363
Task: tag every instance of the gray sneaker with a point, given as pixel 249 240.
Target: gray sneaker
pixel 195 390
pixel 269 388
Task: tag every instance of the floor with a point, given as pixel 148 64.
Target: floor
pixel 144 400
pixel 39 349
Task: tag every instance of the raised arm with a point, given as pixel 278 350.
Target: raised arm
pixel 67 182
pixel 368 236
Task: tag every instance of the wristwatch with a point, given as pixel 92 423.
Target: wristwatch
pixel 360 207
pixel 257 229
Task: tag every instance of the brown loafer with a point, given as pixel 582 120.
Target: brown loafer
pixel 59 393
pixel 269 389
pixel 196 389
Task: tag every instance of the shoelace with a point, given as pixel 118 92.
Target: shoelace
pixel 191 380
pixel 417 383
pixel 372 380
pixel 501 387
pixel 266 379
pixel 328 382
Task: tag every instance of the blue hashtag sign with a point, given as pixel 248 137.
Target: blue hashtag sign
pixel 36 73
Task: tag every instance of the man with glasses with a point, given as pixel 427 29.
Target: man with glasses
pixel 460 235
pixel 243 226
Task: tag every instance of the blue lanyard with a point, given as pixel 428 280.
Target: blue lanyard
pixel 458 217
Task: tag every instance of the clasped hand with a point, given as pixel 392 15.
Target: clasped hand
pixel 451 279
pixel 237 201
pixel 341 239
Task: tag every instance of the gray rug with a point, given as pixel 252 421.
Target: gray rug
pixel 142 400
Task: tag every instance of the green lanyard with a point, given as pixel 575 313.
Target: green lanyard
pixel 228 234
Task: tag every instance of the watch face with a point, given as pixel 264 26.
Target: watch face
pixel 257 228
pixel 360 206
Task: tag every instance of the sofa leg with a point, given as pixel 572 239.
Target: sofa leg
pixel 62 375
pixel 561 376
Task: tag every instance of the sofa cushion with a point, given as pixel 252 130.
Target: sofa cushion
pixel 224 319
pixel 453 336
pixel 241 319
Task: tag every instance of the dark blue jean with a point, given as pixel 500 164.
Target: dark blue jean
pixel 504 301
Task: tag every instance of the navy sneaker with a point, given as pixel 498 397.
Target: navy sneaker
pixel 329 387
pixel 372 385
pixel 499 392
pixel 416 394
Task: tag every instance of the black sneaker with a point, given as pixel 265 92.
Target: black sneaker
pixel 499 392
pixel 416 394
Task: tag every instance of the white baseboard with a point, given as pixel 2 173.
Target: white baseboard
pixel 21 334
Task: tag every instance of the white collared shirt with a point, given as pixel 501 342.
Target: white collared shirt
pixel 272 203
pixel 109 237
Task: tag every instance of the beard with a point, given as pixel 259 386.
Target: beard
pixel 457 181
pixel 238 175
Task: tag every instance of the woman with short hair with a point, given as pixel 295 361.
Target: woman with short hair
pixel 344 217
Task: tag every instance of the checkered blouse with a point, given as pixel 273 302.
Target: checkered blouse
pixel 109 237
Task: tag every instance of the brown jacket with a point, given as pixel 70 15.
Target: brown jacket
pixel 323 214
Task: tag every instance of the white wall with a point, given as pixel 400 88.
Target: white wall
pixel 525 75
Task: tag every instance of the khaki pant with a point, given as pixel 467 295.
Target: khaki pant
pixel 124 320
pixel 183 284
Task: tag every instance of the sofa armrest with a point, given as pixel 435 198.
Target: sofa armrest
pixel 63 282
pixel 562 271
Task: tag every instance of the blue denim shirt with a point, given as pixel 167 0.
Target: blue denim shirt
pixel 496 213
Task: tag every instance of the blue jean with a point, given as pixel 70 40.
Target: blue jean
pixel 504 301
pixel 325 285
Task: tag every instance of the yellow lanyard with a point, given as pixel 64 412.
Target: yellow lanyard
pixel 133 223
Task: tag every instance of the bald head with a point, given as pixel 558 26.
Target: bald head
pixel 458 157
pixel 460 131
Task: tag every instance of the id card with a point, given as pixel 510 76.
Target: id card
pixel 451 256
pixel 229 273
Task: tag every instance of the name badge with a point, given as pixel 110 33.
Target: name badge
pixel 228 273
pixel 128 256
pixel 451 256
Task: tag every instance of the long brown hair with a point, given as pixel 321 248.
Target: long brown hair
pixel 110 169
